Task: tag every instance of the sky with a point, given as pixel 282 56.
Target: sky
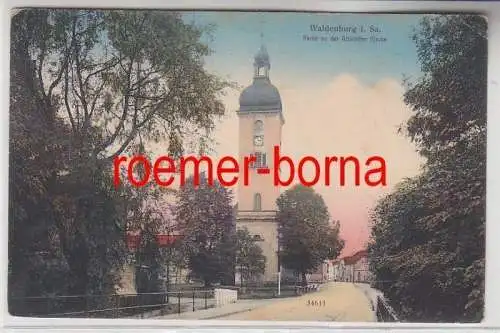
pixel 339 98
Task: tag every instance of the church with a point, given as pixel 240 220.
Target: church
pixel 260 125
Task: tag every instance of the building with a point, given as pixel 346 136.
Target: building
pixel 323 273
pixel 360 267
pixel 338 270
pixel 328 271
pixel 354 268
pixel 175 274
pixel 260 125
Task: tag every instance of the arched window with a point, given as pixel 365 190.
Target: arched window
pixel 257 202
pixel 258 238
pixel 258 127
pixel 258 133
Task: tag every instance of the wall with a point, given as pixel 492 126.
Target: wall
pixel 127 280
pixel 263 222
pixel 258 183
pixel 361 270
pixel 268 231
pixel 225 296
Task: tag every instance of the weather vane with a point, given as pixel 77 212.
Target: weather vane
pixel 261 21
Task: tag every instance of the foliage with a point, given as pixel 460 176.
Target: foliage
pixel 87 85
pixel 123 76
pixel 452 51
pixel 250 262
pixel 205 216
pixel 428 235
pixel 306 236
pixel 36 262
pixel 149 262
pixel 87 212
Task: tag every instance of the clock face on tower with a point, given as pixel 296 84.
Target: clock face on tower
pixel 258 140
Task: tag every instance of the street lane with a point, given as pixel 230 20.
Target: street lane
pixel 336 301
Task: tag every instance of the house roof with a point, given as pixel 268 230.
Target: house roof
pixel 164 240
pixel 352 259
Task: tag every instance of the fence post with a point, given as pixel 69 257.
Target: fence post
pixel 179 301
pixel 193 300
pixel 116 300
pixel 206 295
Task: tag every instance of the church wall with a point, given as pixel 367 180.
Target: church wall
pixel 258 183
pixel 269 233
pixel 257 197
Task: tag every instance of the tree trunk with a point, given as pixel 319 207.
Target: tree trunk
pixel 304 279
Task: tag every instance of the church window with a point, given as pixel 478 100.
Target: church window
pixel 258 133
pixel 260 160
pixel 257 202
pixel 258 238
pixel 258 127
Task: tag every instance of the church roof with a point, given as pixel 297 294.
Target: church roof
pixel 262 58
pixel 261 95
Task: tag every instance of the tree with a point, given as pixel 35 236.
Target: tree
pixel 148 262
pixel 250 262
pixel 88 85
pixel 333 243
pixel 205 217
pixel 428 236
pixel 307 238
pixel 36 263
pixel 51 213
pixel 122 76
pixel 149 265
pixel 452 51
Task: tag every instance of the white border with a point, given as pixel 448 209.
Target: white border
pixel 492 301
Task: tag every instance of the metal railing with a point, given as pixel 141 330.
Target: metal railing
pixel 263 292
pixel 384 311
pixel 112 306
pixel 139 305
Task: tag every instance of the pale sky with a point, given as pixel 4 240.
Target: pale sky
pixel 339 98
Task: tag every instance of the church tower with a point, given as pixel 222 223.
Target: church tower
pixel 260 124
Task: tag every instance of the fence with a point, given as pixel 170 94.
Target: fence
pixel 263 292
pixel 384 311
pixel 112 306
pixel 140 305
pixel 225 296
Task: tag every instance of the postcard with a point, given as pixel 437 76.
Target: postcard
pixel 254 166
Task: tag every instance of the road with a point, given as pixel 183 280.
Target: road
pixel 221 312
pixel 335 301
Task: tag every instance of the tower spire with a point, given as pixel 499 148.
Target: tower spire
pixel 261 26
pixel 262 64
